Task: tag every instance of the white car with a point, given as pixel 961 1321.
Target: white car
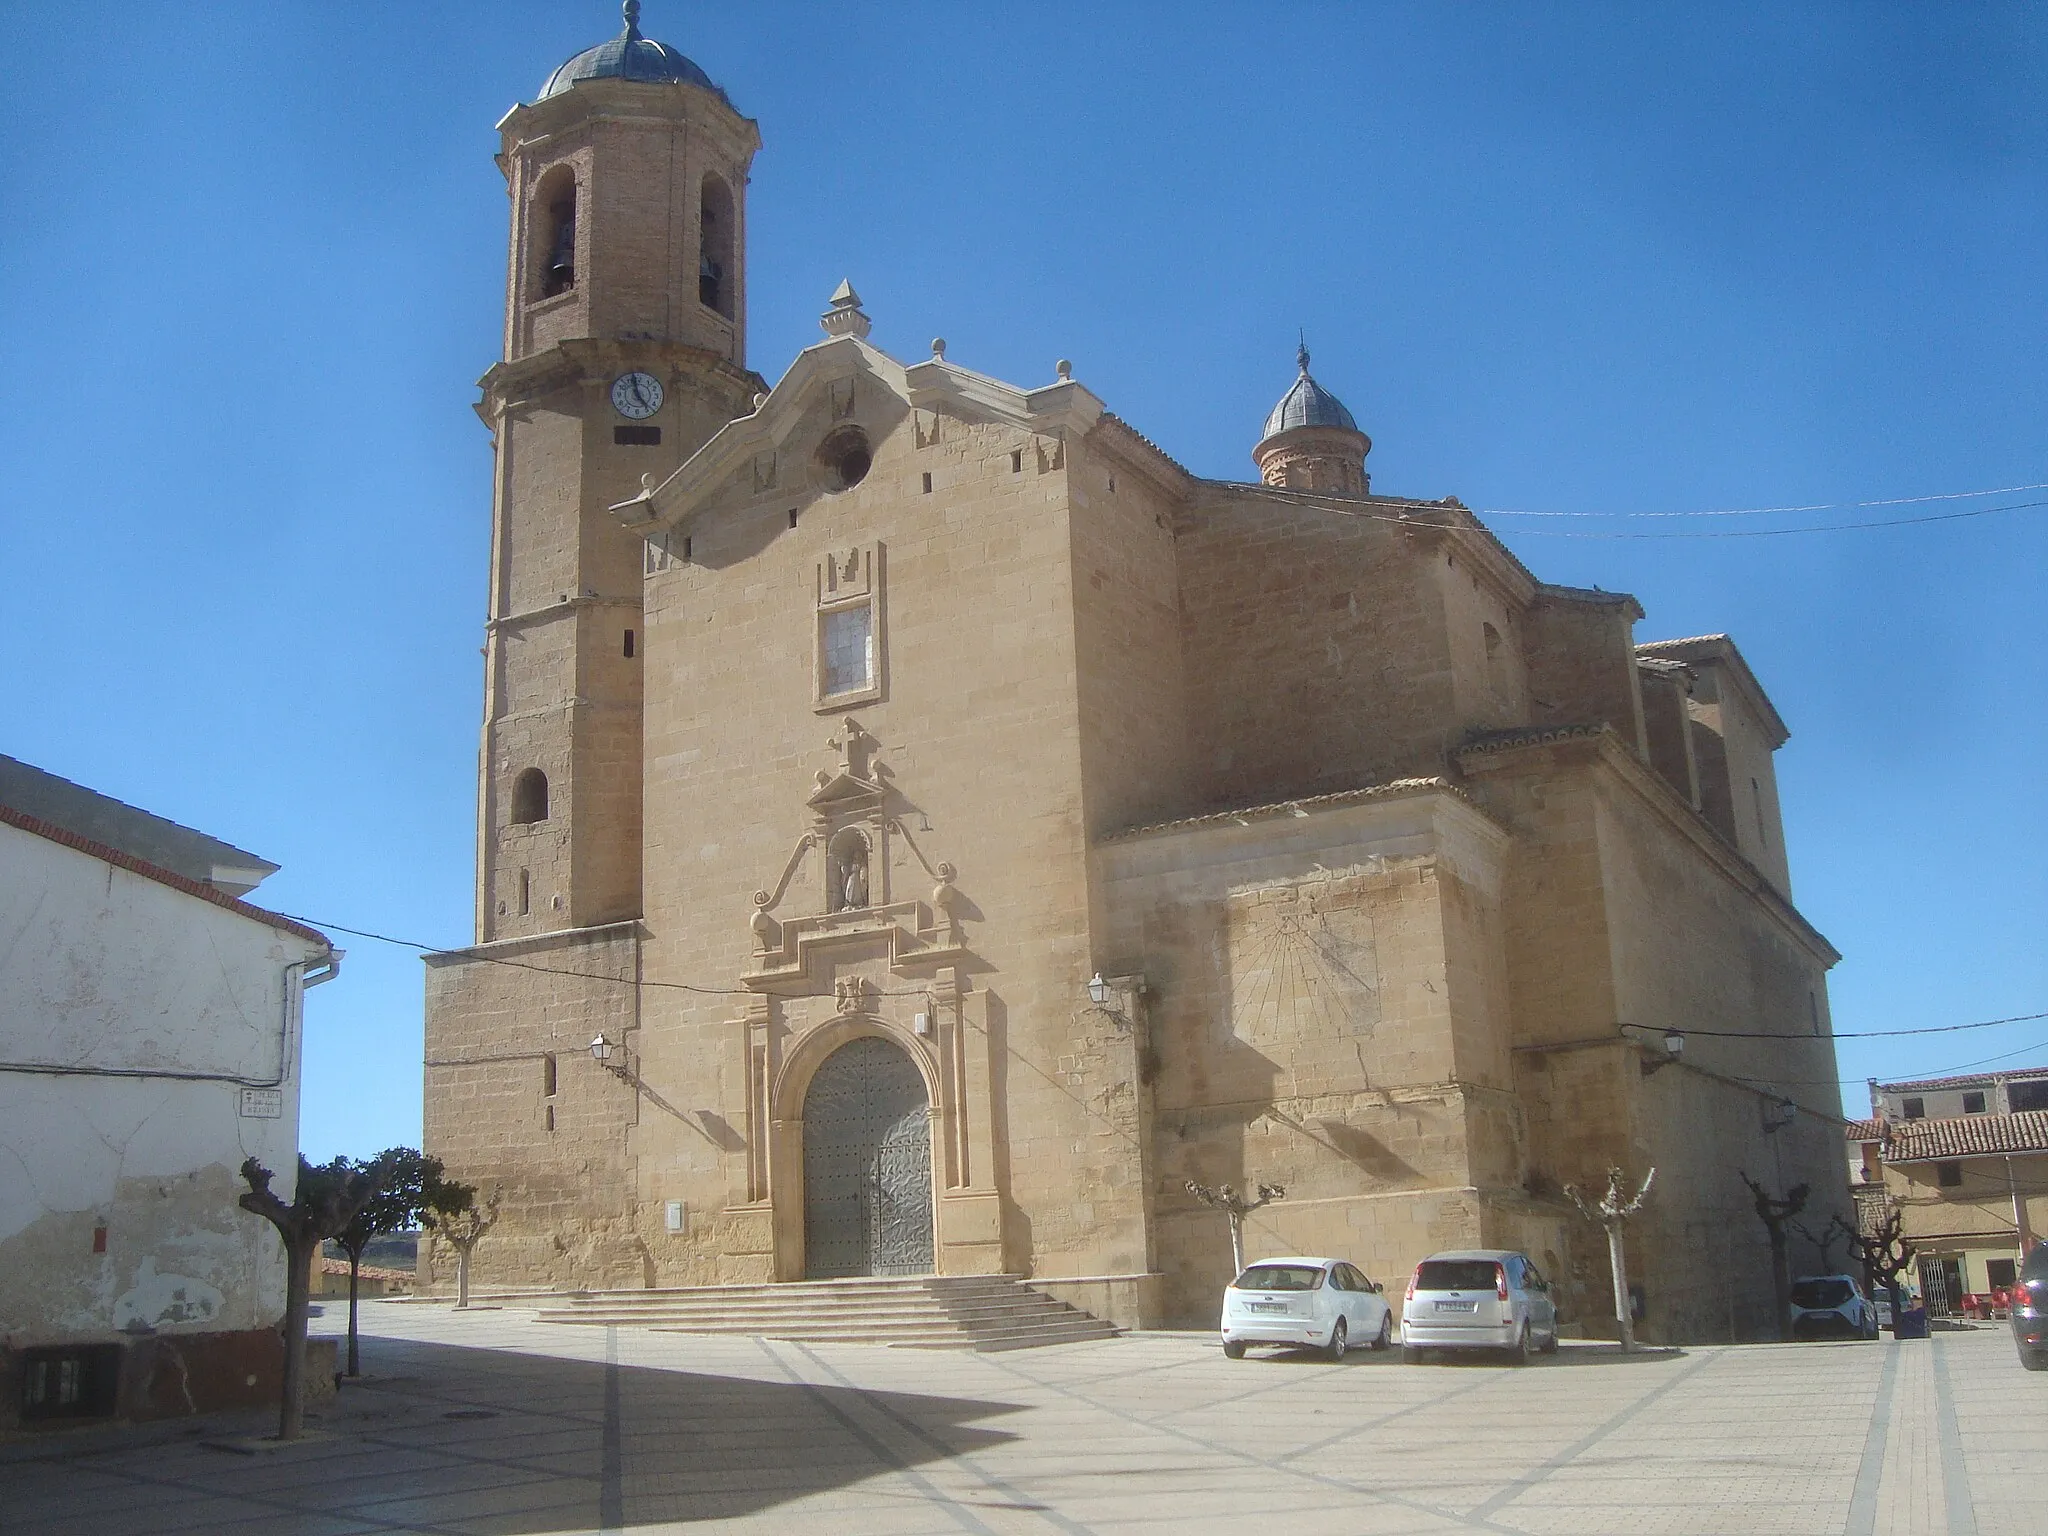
pixel 1323 1303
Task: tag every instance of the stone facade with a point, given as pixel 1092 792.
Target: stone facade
pixel 949 696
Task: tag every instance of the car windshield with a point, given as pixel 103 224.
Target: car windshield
pixel 1456 1275
pixel 1820 1293
pixel 1280 1277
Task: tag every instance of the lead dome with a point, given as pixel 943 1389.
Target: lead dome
pixel 629 56
pixel 1307 404
pixel 1311 441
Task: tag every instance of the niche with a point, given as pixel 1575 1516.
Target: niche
pixel 847 869
pixel 529 797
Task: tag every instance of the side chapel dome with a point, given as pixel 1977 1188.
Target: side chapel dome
pixel 1311 442
pixel 629 56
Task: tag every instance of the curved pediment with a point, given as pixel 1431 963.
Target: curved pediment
pixel 844 379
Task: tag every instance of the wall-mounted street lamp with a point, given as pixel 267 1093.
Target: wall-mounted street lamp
pixel 1098 990
pixel 1659 1047
pixel 1660 1054
pixel 1778 1115
pixel 602 1052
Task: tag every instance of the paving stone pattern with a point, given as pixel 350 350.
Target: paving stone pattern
pixel 487 1423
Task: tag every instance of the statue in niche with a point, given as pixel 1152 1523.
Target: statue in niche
pixel 850 874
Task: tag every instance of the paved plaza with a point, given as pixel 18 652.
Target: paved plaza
pixel 487 1422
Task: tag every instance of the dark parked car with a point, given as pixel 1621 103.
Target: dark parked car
pixel 2030 1310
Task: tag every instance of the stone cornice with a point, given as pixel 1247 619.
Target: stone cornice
pixel 1448 519
pixel 1500 751
pixel 1696 650
pixel 1303 806
pixel 509 386
pixel 529 125
pixel 499 949
pixel 1132 449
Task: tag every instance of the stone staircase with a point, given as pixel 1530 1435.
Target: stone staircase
pixel 978 1312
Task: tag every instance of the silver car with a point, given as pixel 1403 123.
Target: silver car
pixel 1481 1298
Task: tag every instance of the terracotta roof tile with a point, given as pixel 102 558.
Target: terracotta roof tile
pixel 1968 1136
pixel 1863 1130
pixel 1528 735
pixel 1967 1080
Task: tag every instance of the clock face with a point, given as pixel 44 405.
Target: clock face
pixel 636 396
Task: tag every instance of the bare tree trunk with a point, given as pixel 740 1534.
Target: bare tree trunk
pixel 1781 1282
pixel 1236 1243
pixel 1624 1308
pixel 291 1416
pixel 355 1263
pixel 462 1274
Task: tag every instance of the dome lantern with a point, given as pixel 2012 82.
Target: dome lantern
pixel 630 56
pixel 1311 442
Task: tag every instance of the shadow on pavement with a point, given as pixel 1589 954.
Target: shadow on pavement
pixel 502 1443
pixel 1569 1355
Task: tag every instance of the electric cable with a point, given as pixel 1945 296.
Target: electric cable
pixel 1811 506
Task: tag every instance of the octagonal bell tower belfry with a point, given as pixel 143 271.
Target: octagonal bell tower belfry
pixel 625 349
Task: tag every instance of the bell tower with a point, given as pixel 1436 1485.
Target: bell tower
pixel 625 349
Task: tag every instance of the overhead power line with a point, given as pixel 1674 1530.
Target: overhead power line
pixel 1772 533
pixel 1853 1034
pixel 1810 506
pixel 686 986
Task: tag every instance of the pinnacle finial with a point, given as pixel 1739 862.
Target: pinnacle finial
pixel 632 12
pixel 1301 352
pixel 844 318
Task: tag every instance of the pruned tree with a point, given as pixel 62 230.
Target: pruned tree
pixel 1225 1198
pixel 1885 1255
pixel 1610 1212
pixel 1774 1211
pixel 451 1210
pixel 325 1201
pixel 1824 1240
pixel 404 1178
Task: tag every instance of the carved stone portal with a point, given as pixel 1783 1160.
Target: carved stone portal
pixel 839 955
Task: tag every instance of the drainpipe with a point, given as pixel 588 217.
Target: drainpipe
pixel 2019 1211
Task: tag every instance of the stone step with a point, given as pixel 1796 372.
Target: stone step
pixel 924 1285
pixel 986 1312
pixel 895 1311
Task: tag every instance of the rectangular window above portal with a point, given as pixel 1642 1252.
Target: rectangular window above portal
pixel 848 638
pixel 850 659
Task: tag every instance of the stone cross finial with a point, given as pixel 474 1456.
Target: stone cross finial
pixel 844 318
pixel 853 745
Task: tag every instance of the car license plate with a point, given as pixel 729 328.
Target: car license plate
pixel 1457 1306
pixel 1269 1306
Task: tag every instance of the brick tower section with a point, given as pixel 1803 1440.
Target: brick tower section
pixel 627 257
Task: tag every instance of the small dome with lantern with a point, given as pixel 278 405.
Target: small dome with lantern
pixel 1311 441
pixel 629 56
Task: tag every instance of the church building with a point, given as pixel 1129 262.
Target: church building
pixel 922 828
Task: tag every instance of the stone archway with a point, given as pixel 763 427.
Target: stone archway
pixel 867 1164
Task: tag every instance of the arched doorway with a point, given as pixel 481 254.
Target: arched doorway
pixel 867 1165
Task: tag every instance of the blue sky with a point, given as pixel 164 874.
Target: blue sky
pixel 1606 259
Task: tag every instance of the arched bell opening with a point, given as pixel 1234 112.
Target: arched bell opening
pixel 553 222
pixel 715 228
pixel 867 1163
